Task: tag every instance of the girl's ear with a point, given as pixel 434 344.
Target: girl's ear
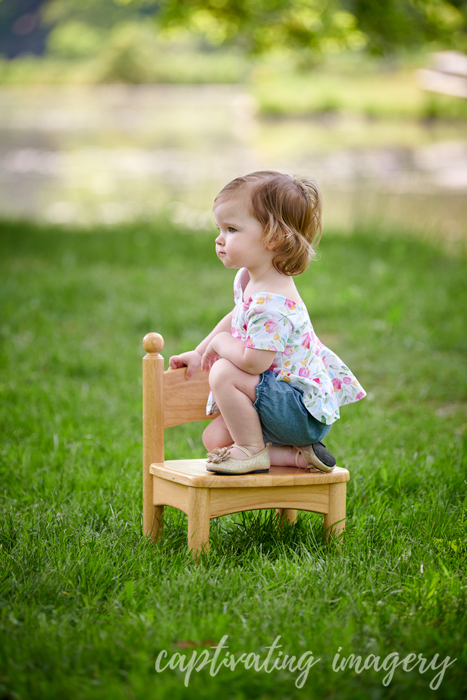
pixel 273 241
pixel 273 237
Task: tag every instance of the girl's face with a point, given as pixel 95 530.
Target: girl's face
pixel 239 241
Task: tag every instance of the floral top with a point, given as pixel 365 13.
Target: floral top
pixel 268 321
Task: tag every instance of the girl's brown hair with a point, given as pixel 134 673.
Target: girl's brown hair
pixel 289 209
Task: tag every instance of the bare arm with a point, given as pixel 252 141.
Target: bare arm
pixel 223 326
pixel 248 359
pixel 192 359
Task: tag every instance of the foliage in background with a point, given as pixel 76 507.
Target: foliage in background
pixel 258 27
pixel 399 24
pixel 308 29
pixel 311 27
pixel 315 27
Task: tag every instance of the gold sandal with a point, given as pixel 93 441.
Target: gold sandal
pixel 220 461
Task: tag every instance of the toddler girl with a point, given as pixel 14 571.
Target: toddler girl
pixel 277 387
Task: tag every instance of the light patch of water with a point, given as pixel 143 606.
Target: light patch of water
pixel 110 154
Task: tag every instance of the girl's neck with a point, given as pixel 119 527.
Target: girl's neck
pixel 269 280
pixel 263 276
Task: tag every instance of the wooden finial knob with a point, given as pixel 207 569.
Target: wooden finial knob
pixel 153 343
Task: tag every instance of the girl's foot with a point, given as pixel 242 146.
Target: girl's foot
pixel 238 451
pixel 220 460
pixel 316 456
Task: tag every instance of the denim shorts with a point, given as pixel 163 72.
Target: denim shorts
pixel 284 418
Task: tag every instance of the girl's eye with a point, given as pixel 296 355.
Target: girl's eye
pixel 231 229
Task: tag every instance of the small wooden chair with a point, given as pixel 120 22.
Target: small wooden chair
pixel 168 400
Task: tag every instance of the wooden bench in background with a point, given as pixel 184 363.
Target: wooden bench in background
pixel 447 75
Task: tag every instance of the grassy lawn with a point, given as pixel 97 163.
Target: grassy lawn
pixel 87 604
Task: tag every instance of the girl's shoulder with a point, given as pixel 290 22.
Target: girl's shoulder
pixel 277 302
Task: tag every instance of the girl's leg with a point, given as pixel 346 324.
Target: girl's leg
pixel 216 435
pixel 285 457
pixel 235 392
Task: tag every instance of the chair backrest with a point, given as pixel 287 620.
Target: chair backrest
pixel 185 399
pixel 169 399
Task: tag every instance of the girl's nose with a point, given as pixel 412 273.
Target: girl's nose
pixel 219 240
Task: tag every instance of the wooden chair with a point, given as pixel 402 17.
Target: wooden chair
pixel 168 400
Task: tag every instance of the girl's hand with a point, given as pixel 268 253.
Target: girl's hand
pixel 209 357
pixel 191 360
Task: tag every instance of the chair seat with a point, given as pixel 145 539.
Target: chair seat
pixel 193 472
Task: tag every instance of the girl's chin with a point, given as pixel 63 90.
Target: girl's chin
pixel 227 263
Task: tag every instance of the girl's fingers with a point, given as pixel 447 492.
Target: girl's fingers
pixel 208 359
pixel 212 359
pixel 176 363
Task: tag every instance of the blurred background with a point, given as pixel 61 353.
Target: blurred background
pixel 120 110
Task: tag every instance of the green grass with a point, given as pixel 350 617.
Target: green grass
pixel 87 604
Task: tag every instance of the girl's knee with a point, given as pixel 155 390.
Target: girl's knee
pixel 222 371
pixel 225 376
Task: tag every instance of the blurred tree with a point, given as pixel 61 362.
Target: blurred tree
pixel 307 27
pixel 394 24
pixel 259 26
pixel 321 25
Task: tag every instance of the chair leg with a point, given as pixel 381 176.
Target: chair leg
pixel 286 515
pixel 334 520
pixel 148 511
pixel 158 523
pixel 198 520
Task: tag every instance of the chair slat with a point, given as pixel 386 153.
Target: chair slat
pixel 185 399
